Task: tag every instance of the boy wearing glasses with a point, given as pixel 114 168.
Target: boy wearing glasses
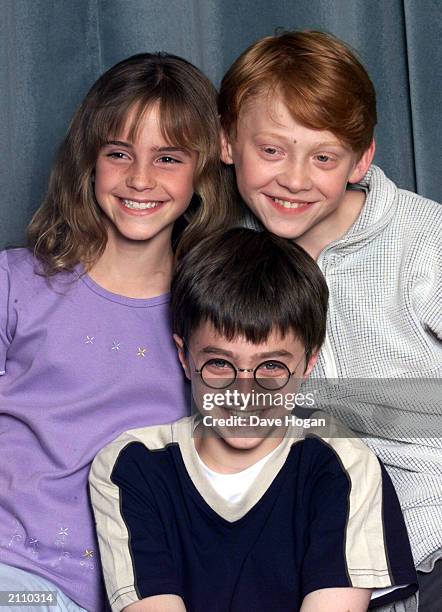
pixel 242 506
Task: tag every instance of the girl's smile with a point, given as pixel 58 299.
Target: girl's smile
pixel 134 207
pixel 143 184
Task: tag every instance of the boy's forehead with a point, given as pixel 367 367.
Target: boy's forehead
pixel 206 338
pixel 265 105
pixel 268 112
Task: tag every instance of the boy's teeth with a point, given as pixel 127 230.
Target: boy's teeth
pixel 288 204
pixel 140 205
pixel 245 413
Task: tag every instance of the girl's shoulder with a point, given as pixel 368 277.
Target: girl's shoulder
pixel 19 261
pixel 21 272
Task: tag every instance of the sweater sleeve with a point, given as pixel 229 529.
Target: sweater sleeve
pixel 136 559
pixel 431 309
pixel 428 289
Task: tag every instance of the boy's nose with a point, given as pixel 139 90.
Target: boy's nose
pixel 295 177
pixel 245 379
pixel 141 177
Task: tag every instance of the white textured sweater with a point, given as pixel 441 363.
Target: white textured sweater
pixel 383 354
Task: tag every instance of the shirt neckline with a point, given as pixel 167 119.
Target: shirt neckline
pixel 231 512
pixel 115 297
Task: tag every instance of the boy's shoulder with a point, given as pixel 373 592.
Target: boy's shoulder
pixel 152 438
pixel 404 205
pixel 330 442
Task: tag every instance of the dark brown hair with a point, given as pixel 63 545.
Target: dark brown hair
pixel 322 82
pixel 248 283
pixel 68 228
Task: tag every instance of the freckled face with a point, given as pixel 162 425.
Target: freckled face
pixel 292 177
pixel 143 186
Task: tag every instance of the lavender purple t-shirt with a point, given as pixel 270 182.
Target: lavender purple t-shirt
pixel 78 366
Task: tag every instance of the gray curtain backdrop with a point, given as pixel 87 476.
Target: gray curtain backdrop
pixel 53 50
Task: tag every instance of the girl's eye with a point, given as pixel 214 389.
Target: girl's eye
pixel 166 159
pixel 117 155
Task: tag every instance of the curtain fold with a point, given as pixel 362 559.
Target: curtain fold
pixel 53 50
pixel 423 33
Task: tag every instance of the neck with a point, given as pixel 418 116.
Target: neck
pixel 220 457
pixel 136 269
pixel 333 227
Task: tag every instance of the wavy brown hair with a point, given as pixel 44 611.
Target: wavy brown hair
pixel 69 227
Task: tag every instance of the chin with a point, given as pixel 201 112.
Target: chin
pixel 243 443
pixel 141 234
pixel 281 228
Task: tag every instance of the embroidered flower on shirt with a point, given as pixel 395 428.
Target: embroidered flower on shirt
pixel 16 536
pixel 89 340
pixel 116 346
pixel 141 351
pixel 60 542
pixel 86 562
pixel 33 544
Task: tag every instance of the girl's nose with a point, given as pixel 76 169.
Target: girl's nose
pixel 141 177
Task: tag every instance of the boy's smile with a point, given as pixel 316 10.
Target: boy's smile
pixel 227 448
pixel 294 178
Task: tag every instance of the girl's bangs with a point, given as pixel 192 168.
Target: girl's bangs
pixel 178 124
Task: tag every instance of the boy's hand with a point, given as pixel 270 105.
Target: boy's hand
pixel 337 600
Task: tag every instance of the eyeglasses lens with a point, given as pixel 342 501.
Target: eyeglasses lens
pixel 218 373
pixel 272 375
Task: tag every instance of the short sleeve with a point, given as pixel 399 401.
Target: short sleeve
pixel 356 536
pixel 135 555
pixel 5 290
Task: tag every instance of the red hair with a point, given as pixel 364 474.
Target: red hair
pixel 322 82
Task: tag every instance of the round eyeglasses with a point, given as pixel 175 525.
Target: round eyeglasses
pixel 270 375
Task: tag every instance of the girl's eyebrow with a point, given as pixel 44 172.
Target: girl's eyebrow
pixel 171 150
pixel 128 145
pixel 119 143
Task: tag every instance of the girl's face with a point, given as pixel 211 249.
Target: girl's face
pixel 143 186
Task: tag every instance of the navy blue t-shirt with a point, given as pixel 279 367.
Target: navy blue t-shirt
pixel 321 514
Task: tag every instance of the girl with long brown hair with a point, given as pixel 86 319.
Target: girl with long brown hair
pixel 85 344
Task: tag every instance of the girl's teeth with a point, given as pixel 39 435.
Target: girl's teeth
pixel 287 204
pixel 140 205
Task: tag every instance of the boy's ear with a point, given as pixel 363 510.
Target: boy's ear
pixel 179 343
pixel 226 148
pixel 360 170
pixel 311 363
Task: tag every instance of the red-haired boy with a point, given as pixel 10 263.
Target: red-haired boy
pixel 298 113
